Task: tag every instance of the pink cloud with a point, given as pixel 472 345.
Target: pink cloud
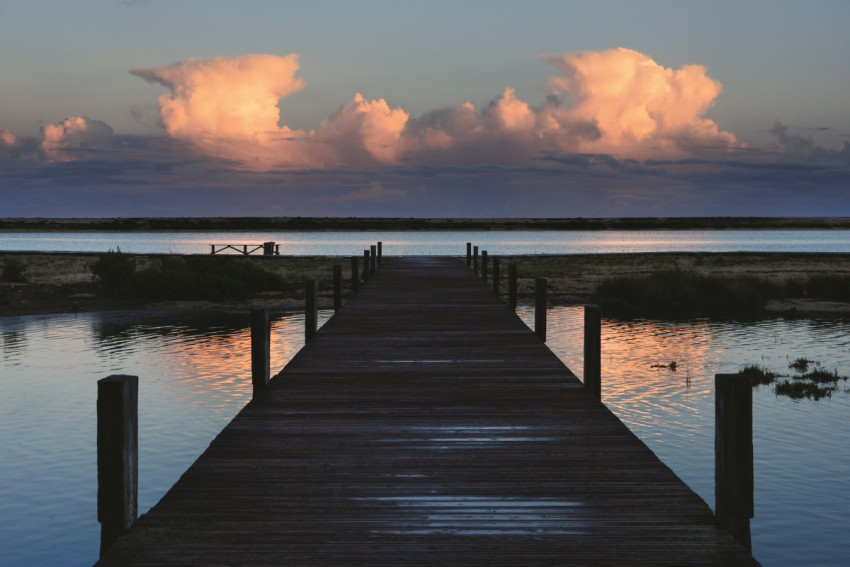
pixel 71 138
pixel 617 101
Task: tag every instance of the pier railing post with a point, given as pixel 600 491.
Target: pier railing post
pixel 260 349
pixel 373 249
pixel 117 456
pixel 484 266
pixel 311 311
pixel 355 272
pixel 512 285
pixel 337 287
pixel 593 350
pixel 365 265
pixel 733 455
pixel 469 254
pixel 380 252
pixel 475 258
pixel 540 308
pixel 496 274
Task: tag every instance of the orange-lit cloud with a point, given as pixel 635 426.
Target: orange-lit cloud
pixel 9 143
pixel 74 137
pixel 619 102
pixel 637 104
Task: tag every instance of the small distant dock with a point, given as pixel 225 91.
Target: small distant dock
pixel 425 424
pixel 266 248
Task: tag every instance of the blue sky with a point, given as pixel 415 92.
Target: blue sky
pixel 758 127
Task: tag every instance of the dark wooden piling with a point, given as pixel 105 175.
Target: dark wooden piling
pixel 355 272
pixel 733 453
pixel 475 259
pixel 380 253
pixel 512 285
pixel 484 265
pixel 469 254
pixel 366 261
pixel 260 349
pixel 496 274
pixel 373 258
pixel 540 308
pixel 337 287
pixel 117 456
pixel 311 309
pixel 593 350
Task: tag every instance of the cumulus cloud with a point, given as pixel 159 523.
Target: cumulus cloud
pixel 74 137
pixel 618 102
pixel 9 143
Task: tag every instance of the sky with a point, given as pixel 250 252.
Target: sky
pixel 463 108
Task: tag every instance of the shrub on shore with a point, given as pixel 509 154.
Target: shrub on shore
pixel 679 293
pixel 206 278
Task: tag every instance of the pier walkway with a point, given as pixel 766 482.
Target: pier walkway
pixel 425 424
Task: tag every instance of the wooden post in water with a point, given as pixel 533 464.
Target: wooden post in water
pixel 733 455
pixel 245 249
pixel 311 311
pixel 484 265
pixel 373 250
pixel 496 274
pixel 365 265
pixel 337 287
pixel 380 252
pixel 355 272
pixel 540 308
pixel 117 456
pixel 593 350
pixel 260 349
pixel 469 254
pixel 475 258
pixel 512 285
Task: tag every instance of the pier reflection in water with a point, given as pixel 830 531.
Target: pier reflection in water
pixel 195 375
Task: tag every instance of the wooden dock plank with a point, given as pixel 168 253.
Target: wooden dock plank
pixel 425 424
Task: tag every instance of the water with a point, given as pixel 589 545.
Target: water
pixel 440 243
pixel 195 376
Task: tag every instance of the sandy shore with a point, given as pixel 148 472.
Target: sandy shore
pixel 57 283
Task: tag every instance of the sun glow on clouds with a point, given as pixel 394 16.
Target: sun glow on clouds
pixel 65 141
pixel 619 102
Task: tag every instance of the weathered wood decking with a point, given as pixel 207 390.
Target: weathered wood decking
pixel 425 424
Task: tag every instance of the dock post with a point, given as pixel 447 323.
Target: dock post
pixel 245 249
pixel 540 308
pixel 484 265
pixel 469 254
pixel 593 350
pixel 260 349
pixel 475 258
pixel 117 456
pixel 212 249
pixel 496 274
pixel 380 252
pixel 512 285
pixel 355 272
pixel 365 265
pixel 337 287
pixel 733 455
pixel 373 253
pixel 311 312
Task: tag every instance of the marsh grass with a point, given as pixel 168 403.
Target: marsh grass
pixel 814 385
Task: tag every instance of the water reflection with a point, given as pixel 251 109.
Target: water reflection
pixel 195 375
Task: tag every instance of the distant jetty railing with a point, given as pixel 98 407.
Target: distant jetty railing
pixel 268 248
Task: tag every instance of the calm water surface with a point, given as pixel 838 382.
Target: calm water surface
pixel 195 376
pixel 441 243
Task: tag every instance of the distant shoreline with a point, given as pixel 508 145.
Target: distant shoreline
pixel 317 224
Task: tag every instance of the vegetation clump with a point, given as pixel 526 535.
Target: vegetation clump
pixel 13 271
pixel 680 294
pixel 208 278
pixel 814 385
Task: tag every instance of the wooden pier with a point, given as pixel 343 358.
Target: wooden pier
pixel 425 424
